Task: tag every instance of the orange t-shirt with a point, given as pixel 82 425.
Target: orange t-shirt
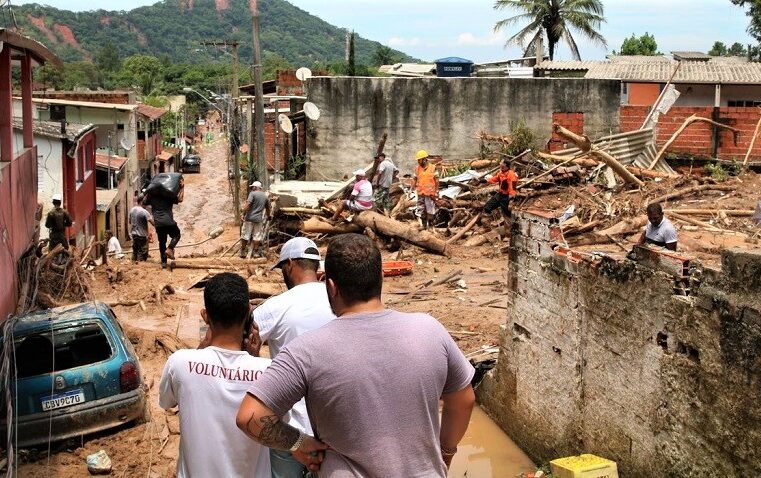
pixel 506 180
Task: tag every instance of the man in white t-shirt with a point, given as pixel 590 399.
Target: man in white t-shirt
pixel 282 318
pixel 208 385
pixel 113 247
pixel 361 198
pixel 659 230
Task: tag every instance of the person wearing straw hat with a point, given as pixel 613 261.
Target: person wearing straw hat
pixel 361 198
pixel 253 219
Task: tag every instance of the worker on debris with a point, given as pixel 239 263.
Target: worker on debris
pixel 506 178
pixel 282 318
pixel 385 173
pixel 113 247
pixel 163 218
pixel 138 220
pixel 361 198
pixel 57 220
pixel 372 380
pixel 426 184
pixel 208 383
pixel 255 214
pixel 659 230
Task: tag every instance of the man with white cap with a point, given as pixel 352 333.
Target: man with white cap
pixel 282 318
pixel 252 228
pixel 361 198
pixel 57 220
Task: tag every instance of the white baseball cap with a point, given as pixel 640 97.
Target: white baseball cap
pixel 298 248
pixel 255 184
pixel 359 172
pixel 57 197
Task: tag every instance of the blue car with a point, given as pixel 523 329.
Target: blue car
pixel 77 373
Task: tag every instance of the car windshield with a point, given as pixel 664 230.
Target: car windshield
pixel 61 349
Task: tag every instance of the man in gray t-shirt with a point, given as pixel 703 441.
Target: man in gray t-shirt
pixel 384 177
pixel 253 218
pixel 138 220
pixel 372 379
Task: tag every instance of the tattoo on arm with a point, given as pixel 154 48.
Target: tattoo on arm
pixel 271 432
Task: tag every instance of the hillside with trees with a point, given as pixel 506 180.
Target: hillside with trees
pixel 175 28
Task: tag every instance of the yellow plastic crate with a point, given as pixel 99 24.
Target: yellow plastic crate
pixel 583 466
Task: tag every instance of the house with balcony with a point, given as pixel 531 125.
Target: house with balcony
pixel 19 212
pixel 65 165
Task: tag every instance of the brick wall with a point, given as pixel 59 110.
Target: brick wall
pixel 697 138
pixel 602 356
pixel 570 121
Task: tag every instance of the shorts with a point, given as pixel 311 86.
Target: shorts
pixel 353 205
pixel 425 204
pixel 252 231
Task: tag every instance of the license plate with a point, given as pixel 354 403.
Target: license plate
pixel 63 400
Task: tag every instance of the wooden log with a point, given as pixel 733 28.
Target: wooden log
pixel 392 228
pixel 123 303
pixel 650 174
pixel 752 142
pixel 402 205
pixel 477 240
pixel 263 290
pixel 302 210
pixel 185 264
pixel 624 227
pixel 483 163
pixel 712 212
pixel 576 230
pixel 465 229
pixel 695 222
pixel 586 146
pixel 319 225
pixel 591 163
pixel 688 122
pixel 690 190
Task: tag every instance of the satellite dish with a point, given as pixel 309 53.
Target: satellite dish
pixel 311 111
pixel 126 144
pixel 285 123
pixel 303 74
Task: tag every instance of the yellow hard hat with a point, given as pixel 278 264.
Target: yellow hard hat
pixel 421 154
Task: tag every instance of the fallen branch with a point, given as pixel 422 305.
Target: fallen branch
pixel 392 228
pixel 302 210
pixel 586 146
pixel 695 222
pixel 465 229
pixel 688 122
pixel 690 190
pixel 711 212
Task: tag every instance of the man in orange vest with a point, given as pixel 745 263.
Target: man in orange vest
pixel 506 178
pixel 426 185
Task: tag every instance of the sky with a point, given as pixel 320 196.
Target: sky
pixel 431 29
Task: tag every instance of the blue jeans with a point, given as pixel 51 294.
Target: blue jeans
pixel 284 465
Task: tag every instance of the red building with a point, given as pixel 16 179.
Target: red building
pixel 18 162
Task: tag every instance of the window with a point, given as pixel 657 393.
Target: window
pixel 89 156
pixel 61 349
pixel 743 103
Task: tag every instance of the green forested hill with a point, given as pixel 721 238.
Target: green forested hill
pixel 173 29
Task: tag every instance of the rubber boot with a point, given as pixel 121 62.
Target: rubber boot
pixel 243 249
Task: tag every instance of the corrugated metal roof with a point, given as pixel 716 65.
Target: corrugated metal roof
pixel 634 148
pixel 712 72
pixel 690 55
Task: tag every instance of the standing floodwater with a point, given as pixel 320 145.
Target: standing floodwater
pixel 487 452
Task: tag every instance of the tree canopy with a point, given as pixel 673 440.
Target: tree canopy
pixel 552 21
pixel 754 13
pixel 642 45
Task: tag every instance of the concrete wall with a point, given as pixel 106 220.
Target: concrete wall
pixel 601 356
pixel 441 115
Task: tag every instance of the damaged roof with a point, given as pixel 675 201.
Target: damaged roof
pixel 52 129
pixel 659 71
pixel 151 112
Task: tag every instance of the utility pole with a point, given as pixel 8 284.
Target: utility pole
pixel 232 121
pixel 261 158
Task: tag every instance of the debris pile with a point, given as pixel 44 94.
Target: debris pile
pixel 54 278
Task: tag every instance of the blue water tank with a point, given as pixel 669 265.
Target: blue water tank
pixel 453 67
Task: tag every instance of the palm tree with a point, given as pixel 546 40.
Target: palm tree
pixel 551 21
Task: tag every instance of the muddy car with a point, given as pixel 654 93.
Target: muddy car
pixel 76 373
pixel 191 164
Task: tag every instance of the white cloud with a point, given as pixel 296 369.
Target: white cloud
pixel 398 42
pixel 468 38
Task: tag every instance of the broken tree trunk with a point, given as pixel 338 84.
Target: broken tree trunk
pixel 392 228
pixel 690 190
pixel 319 225
pixel 695 222
pixel 687 122
pixel 591 163
pixel 585 145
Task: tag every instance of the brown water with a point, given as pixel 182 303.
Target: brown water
pixel 486 452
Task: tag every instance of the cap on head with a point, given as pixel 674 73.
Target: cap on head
pixel 256 184
pixel 422 154
pixel 57 197
pixel 298 248
pixel 359 172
